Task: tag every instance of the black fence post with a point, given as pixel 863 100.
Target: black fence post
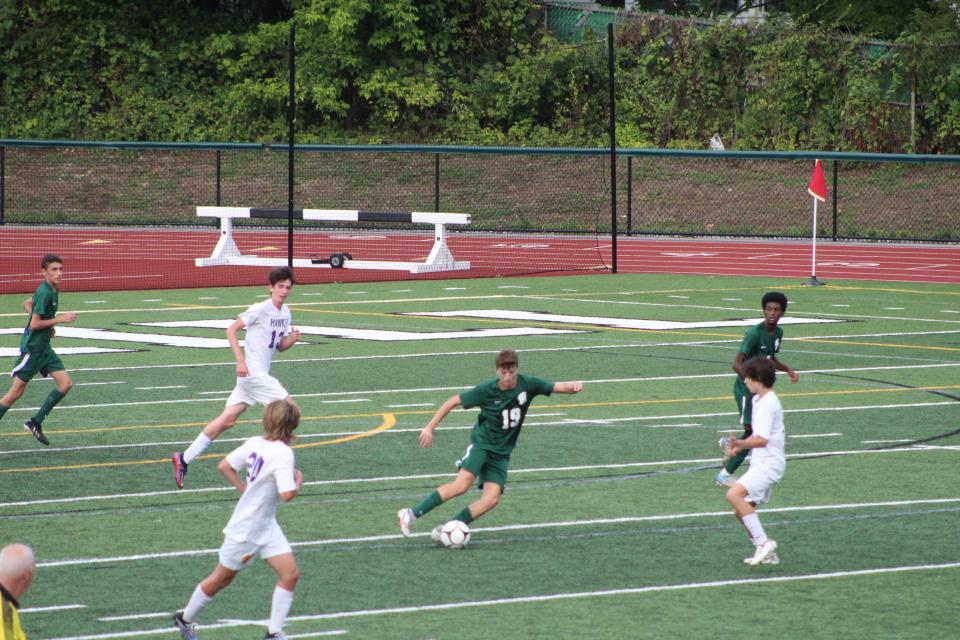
pixel 436 182
pixel 629 195
pixel 836 181
pixel 219 178
pixel 3 177
pixel 613 147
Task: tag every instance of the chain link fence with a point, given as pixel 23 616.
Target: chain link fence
pixel 532 210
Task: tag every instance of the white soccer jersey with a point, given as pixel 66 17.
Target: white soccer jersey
pixel 270 467
pixel 265 326
pixel 768 423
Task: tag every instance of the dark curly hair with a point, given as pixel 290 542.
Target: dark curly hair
pixel 774 296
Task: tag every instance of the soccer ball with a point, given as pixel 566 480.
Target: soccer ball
pixel 454 535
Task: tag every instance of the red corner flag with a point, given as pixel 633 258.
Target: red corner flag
pixel 818 185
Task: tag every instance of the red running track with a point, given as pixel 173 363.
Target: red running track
pixel 135 258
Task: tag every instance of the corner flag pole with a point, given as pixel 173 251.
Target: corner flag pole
pixel 818 190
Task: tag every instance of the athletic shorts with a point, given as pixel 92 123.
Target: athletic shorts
pixel 260 388
pixel 30 364
pixel 486 465
pixel 236 554
pixel 759 481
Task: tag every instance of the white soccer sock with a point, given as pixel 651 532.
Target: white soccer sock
pixel 755 529
pixel 199 446
pixel 282 601
pixel 197 602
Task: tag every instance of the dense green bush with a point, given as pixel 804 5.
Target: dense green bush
pixel 460 71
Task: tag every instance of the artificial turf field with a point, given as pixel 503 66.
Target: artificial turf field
pixel 611 525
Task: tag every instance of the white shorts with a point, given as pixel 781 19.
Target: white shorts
pixel 236 554
pixel 759 481
pixel 261 388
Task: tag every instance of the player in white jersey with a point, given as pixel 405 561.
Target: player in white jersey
pixel 767 458
pixel 253 529
pixel 268 330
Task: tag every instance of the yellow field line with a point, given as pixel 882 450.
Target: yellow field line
pixel 389 420
pixel 892 345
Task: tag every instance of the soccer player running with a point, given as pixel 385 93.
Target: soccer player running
pixel 503 403
pixel 760 340
pixel 767 462
pixel 268 330
pixel 253 529
pixel 36 354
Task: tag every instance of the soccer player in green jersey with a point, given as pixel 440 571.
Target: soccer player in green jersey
pixel 36 355
pixel 761 340
pixel 503 403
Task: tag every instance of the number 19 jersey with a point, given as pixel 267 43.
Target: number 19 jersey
pixel 502 412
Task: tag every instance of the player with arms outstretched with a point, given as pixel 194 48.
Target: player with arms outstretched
pixel 503 403
pixel 253 529
pixel 269 329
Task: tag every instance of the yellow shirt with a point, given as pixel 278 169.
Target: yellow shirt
pixel 10 628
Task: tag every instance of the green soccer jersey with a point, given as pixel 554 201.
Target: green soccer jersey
pixel 757 341
pixel 502 412
pixel 45 300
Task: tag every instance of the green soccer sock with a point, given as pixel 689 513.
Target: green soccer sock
pixel 429 503
pixel 734 462
pixel 3 409
pixel 52 399
pixel 464 516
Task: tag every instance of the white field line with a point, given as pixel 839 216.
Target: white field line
pixel 564 422
pixel 554 597
pixel 751 310
pixel 57 607
pixel 324 394
pixel 514 527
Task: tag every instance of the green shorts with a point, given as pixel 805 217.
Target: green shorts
pixel 744 405
pixel 486 465
pixel 30 364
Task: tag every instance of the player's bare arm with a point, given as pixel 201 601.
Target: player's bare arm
pixel 783 366
pixel 568 387
pixel 738 361
pixel 37 323
pixel 426 436
pixel 288 341
pixel 287 496
pixel 231 475
pixel 234 340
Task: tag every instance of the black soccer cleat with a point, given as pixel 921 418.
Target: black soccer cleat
pixel 188 630
pixel 179 468
pixel 34 427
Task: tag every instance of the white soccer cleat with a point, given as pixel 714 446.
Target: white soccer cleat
pixel 406 519
pixel 763 552
pixel 725 479
pixel 435 534
pixel 773 558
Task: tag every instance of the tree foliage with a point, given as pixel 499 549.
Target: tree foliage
pixel 461 71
